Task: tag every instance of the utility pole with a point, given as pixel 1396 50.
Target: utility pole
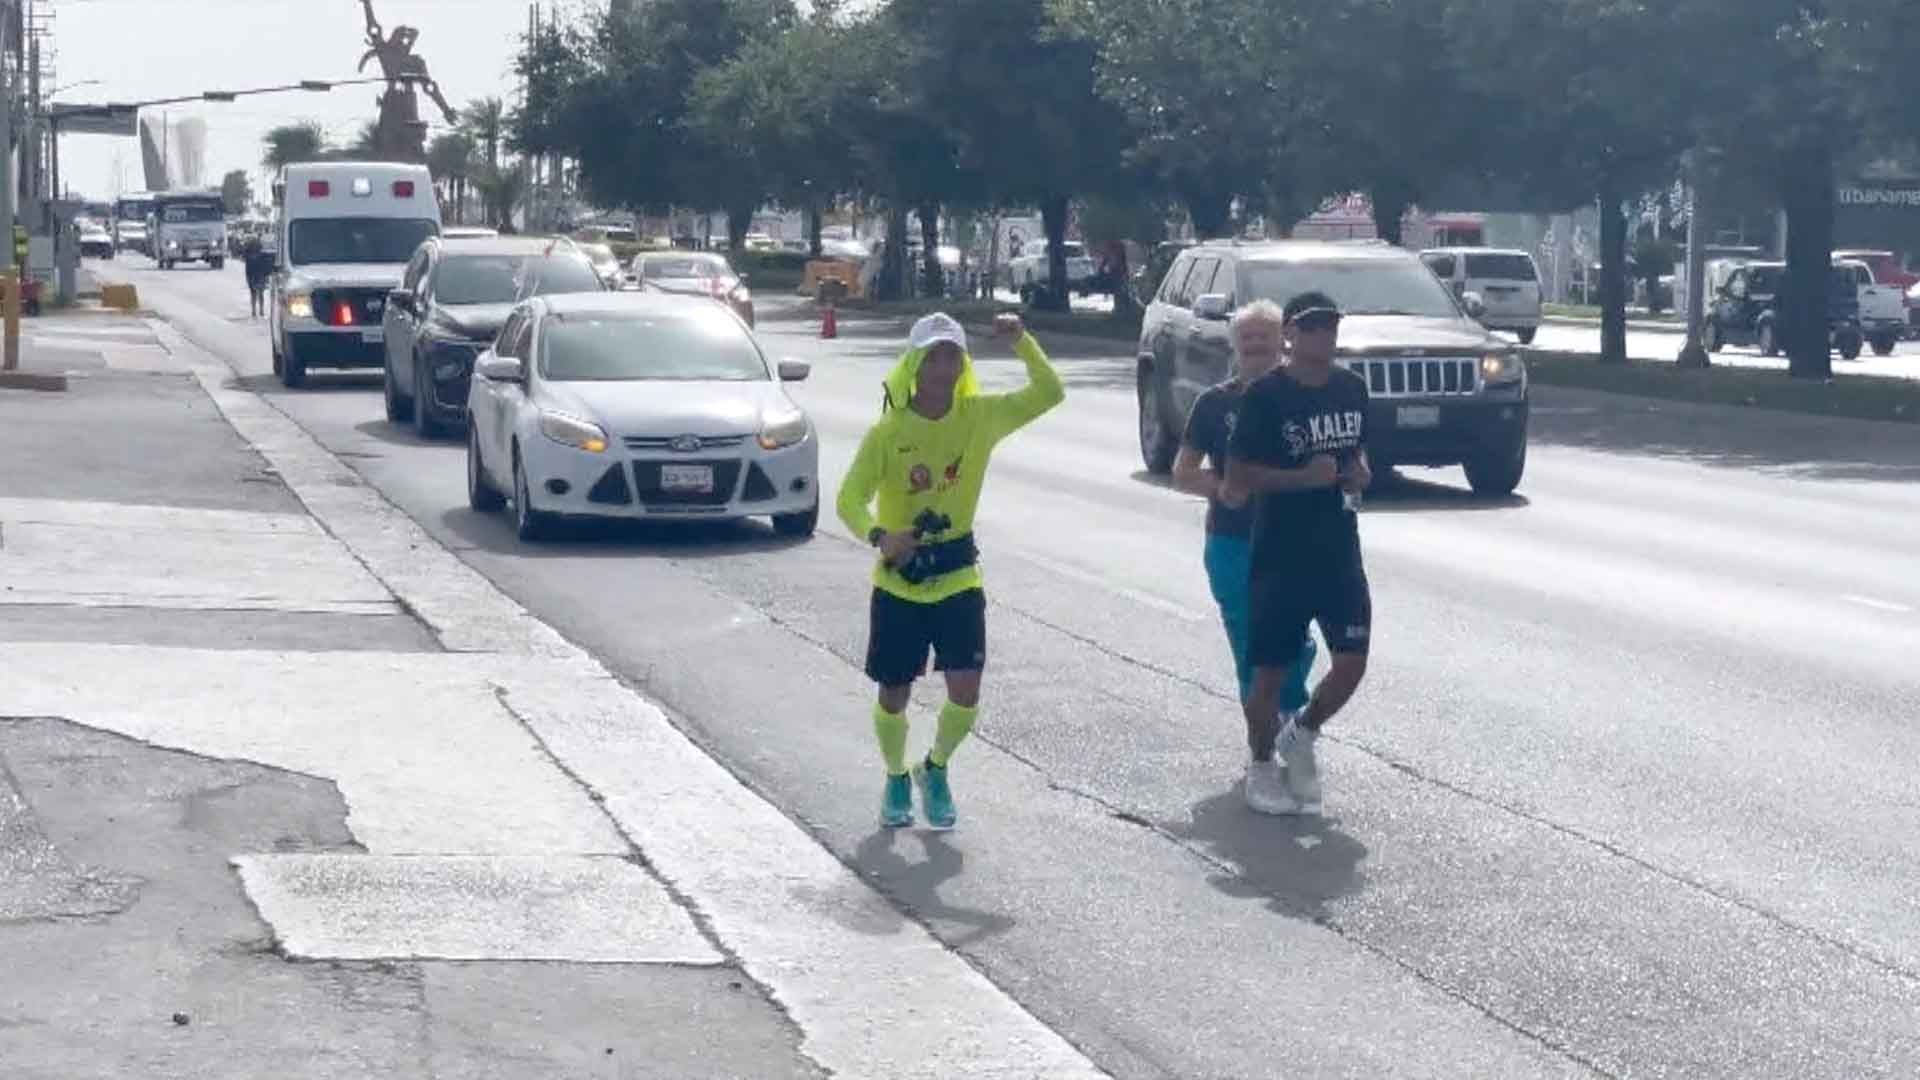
pixel 9 273
pixel 1694 353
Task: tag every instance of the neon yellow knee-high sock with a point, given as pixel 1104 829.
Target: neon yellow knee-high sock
pixel 955 722
pixel 891 729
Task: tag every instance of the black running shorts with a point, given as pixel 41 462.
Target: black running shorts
pixel 900 632
pixel 1283 606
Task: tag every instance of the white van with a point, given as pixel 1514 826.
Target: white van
pixel 343 231
pixel 1506 281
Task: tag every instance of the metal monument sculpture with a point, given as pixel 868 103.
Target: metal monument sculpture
pixel 401 135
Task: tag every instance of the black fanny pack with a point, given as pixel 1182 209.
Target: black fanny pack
pixel 932 560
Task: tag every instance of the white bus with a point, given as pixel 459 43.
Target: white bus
pixel 188 226
pixel 344 231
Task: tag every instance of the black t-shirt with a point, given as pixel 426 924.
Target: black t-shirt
pixel 1284 423
pixel 1209 428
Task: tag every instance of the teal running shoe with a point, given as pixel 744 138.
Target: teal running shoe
pixel 896 806
pixel 935 797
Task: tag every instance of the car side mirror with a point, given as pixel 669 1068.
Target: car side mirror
pixel 401 298
pixel 1213 307
pixel 501 369
pixel 1476 307
pixel 795 370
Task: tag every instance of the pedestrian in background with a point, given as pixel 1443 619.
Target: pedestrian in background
pixel 1201 469
pixel 259 266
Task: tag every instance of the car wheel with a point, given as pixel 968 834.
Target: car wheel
pixel 399 406
pixel 1498 474
pixel 801 524
pixel 1158 444
pixel 1769 346
pixel 293 370
pixel 1526 335
pixel 424 423
pixel 530 524
pixel 481 495
pixel 1850 347
pixel 218 264
pixel 1883 344
pixel 1710 337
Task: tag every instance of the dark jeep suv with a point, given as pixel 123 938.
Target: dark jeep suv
pixel 452 301
pixel 1445 391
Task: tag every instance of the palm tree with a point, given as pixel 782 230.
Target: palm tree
pixel 485 123
pixel 502 191
pixel 293 143
pixel 450 159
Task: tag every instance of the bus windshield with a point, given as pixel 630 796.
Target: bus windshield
pixel 178 212
pixel 133 209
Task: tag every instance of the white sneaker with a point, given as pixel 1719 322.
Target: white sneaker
pixel 1266 791
pixel 1295 747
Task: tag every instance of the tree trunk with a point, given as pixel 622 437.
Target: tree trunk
pixel 933 281
pixel 1613 276
pixel 1390 200
pixel 813 229
pixel 1125 304
pixel 1209 207
pixel 1808 197
pixel 739 220
pixel 1053 217
pixel 892 281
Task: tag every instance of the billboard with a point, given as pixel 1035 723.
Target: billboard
pixel 1883 214
pixel 95 120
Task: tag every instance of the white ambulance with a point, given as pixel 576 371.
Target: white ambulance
pixel 343 233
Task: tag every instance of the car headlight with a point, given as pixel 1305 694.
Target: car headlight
pixel 448 370
pixel 741 295
pixel 1502 368
pixel 299 305
pixel 782 429
pixel 570 431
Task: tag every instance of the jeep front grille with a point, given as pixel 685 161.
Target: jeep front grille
pixel 1416 376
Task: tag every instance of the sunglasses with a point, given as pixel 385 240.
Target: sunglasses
pixel 1316 321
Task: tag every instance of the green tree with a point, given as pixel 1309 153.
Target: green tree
pixel 293 143
pixel 450 158
pixel 484 121
pixel 236 191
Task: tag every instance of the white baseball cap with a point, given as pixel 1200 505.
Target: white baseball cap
pixel 936 328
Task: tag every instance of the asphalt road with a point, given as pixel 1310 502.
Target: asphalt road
pixel 1629 790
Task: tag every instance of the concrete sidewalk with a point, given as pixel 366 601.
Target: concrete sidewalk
pixel 287 789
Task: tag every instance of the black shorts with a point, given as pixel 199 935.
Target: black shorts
pixel 1281 607
pixel 899 633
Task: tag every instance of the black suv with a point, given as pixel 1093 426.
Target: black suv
pixel 1444 390
pixel 451 302
pixel 1747 311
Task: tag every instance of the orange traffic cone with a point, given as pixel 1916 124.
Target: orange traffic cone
pixel 829 326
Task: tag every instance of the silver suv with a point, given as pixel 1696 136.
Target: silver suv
pixel 1445 391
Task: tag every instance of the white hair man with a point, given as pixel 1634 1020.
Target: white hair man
pixel 1200 469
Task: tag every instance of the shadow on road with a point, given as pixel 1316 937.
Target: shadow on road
pixel 1299 865
pixel 607 538
pixel 917 885
pixel 317 383
pixel 387 431
pixel 1397 493
pixel 1725 436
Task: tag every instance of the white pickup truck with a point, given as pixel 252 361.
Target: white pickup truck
pixel 1028 271
pixel 1883 308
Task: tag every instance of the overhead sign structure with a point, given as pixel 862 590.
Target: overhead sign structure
pixel 95 119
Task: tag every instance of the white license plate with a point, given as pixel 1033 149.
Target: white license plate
pixel 1417 416
pixel 686 478
pixel 374 336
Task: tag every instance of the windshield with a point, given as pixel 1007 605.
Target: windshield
pixel 132 210
pixel 686 267
pixel 503 279
pixel 357 240
pixel 691 345
pixel 176 213
pixel 1360 287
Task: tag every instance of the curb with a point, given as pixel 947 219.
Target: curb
pixel 1646 325
pixel 27 380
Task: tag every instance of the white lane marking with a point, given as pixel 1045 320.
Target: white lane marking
pixel 774 897
pixel 570 909
pixel 1877 605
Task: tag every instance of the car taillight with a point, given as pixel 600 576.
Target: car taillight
pixel 343 315
pixel 403 189
pixel 318 189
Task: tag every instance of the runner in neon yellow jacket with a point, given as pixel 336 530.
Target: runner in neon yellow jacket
pixel 911 492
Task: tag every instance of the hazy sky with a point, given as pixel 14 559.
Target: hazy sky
pixel 144 49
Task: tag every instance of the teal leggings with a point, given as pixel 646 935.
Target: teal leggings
pixel 1230 573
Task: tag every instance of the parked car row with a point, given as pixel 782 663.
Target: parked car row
pixel 580 397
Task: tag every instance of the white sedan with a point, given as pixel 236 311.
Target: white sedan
pixel 642 406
